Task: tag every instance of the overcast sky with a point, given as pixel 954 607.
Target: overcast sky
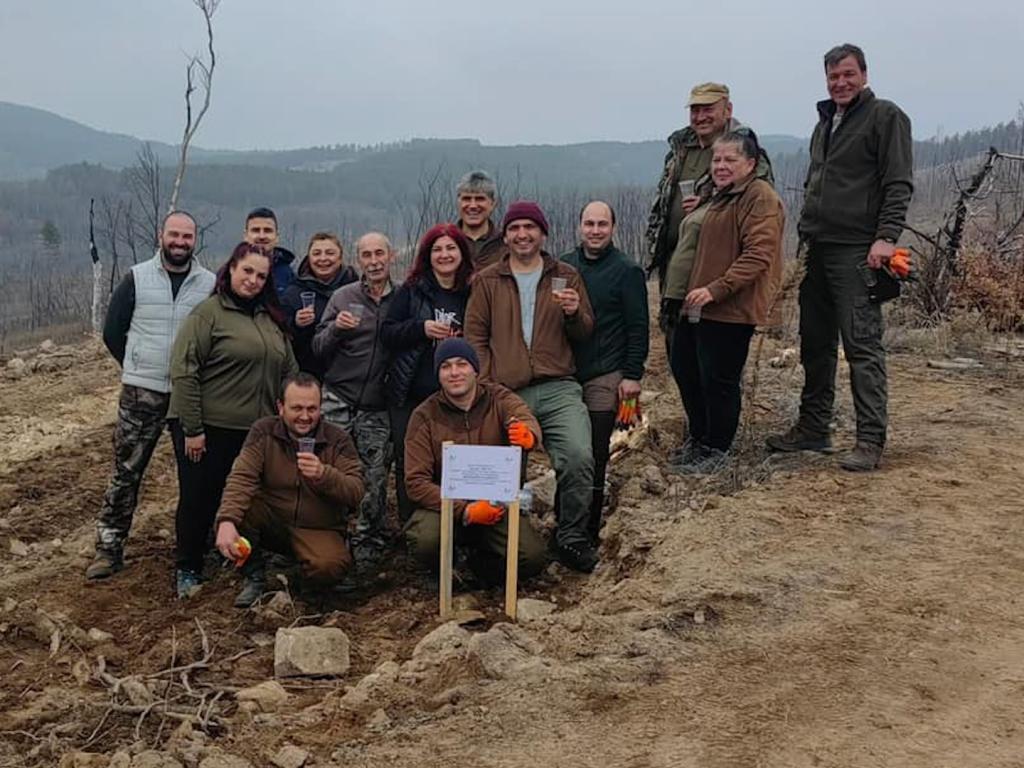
pixel 292 73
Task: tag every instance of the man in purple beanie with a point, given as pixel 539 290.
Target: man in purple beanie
pixel 524 313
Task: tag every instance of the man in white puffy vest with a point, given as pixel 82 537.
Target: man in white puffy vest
pixel 144 315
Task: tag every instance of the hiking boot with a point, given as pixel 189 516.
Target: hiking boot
pixel 707 462
pixel 864 457
pixel 686 452
pixel 104 565
pixel 580 556
pixel 252 590
pixel 188 583
pixel 799 438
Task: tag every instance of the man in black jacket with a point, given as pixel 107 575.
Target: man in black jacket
pixel 610 363
pixel 261 229
pixel 856 196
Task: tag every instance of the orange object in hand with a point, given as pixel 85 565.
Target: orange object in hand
pixel 520 434
pixel 899 263
pixel 483 513
pixel 244 550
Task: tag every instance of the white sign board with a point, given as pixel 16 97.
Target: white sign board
pixel 489 472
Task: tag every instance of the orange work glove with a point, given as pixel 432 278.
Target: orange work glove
pixel 899 263
pixel 520 434
pixel 483 513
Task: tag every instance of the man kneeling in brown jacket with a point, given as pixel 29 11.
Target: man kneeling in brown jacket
pixel 289 496
pixel 467 412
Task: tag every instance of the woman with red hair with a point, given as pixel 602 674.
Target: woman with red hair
pixel 429 307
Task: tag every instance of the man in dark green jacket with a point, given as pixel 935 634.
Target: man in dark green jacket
pixel 856 196
pixel 610 363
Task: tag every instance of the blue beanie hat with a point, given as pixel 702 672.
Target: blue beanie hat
pixel 455 347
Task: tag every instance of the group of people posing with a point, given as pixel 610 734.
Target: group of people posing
pixel 290 394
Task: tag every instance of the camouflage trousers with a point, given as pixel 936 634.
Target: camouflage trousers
pixel 371 432
pixel 141 417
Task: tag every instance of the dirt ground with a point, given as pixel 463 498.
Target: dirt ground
pixel 781 614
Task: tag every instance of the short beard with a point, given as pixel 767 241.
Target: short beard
pixel 176 260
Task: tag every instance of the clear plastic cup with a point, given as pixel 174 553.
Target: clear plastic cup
pixel 558 284
pixel 307 445
pixel 308 299
pixel 693 313
pixel 356 310
pixel 686 188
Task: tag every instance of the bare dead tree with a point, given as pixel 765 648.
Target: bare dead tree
pixel 144 182
pixel 198 76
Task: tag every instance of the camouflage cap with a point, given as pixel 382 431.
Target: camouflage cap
pixel 707 93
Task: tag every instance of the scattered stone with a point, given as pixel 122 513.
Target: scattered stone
pixel 99 636
pixel 57 543
pixel 652 481
pixel 18 548
pixel 120 760
pixel 956 364
pixel 311 652
pixel 164 534
pixel 504 651
pixel 788 358
pixel 290 756
pixel 83 760
pixel 268 695
pixel 446 640
pixel 261 639
pixel 10 604
pixel 47 346
pixel 450 696
pixel 528 609
pixel 16 368
pixel 137 693
pixel 5 524
pixel 279 603
pixel 465 602
pixel 379 720
pixel 465 618
pixel 153 759
pixel 215 758
pixel 699 617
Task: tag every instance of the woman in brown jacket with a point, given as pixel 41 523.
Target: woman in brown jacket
pixel 735 278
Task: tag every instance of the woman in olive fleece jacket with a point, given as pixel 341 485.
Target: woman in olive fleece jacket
pixel 227 364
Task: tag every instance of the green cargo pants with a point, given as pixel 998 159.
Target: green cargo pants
pixel 486 543
pixel 834 303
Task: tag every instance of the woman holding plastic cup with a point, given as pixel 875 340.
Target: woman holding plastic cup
pixel 428 308
pixel 227 364
pixel 732 286
pixel 321 272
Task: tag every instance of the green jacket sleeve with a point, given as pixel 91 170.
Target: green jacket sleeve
pixel 188 356
pixel 896 173
pixel 634 305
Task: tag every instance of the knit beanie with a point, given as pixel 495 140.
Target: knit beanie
pixel 525 209
pixel 455 347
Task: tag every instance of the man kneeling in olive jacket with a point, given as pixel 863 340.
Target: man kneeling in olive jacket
pixel 290 500
pixel 466 412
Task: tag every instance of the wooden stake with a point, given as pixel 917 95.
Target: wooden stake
pixel 447 549
pixel 512 560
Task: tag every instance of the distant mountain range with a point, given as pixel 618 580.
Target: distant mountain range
pixel 34 141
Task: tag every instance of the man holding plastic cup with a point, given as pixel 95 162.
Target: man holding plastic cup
pixel 355 360
pixel 522 325
pixel 290 491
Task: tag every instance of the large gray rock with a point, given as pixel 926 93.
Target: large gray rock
pixel 528 609
pixel 505 651
pixel 311 652
pixel 290 756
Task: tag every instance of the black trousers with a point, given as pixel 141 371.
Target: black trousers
pixel 707 361
pixel 602 424
pixel 200 486
pixel 399 418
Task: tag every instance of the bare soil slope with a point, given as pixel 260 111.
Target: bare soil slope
pixel 781 614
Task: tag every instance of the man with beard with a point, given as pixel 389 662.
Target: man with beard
pixel 290 491
pixel 143 318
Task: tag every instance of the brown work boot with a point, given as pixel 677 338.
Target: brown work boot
pixel 104 565
pixel 799 438
pixel 864 457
